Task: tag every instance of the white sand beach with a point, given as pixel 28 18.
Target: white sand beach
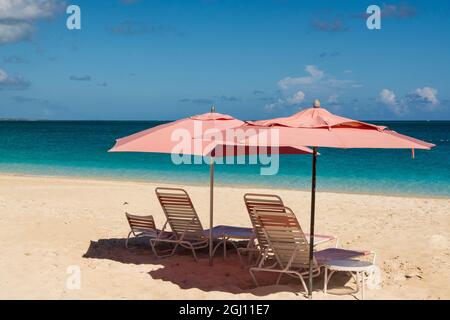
pixel 48 224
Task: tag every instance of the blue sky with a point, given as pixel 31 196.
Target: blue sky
pixel 148 59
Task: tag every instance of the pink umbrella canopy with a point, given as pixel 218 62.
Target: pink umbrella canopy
pixel 166 138
pixel 317 127
pixel 185 137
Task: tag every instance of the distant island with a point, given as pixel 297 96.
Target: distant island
pixel 19 119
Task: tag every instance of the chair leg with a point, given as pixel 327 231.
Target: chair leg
pixel 194 254
pixel 224 248
pixel 363 275
pixel 174 249
pixel 304 284
pixel 240 258
pixel 128 238
pixel 153 245
pixel 258 260
pixel 358 280
pixel 193 251
pixel 251 270
pixel 279 278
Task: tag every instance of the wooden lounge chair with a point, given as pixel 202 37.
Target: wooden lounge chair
pixel 289 247
pixel 141 226
pixel 270 203
pixel 182 218
pixel 259 243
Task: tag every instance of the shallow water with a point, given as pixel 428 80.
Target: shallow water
pixel 75 148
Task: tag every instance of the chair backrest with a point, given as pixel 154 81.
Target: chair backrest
pixel 285 236
pixel 267 202
pixel 141 223
pixel 180 213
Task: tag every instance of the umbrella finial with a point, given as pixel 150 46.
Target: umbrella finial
pixel 213 109
pixel 316 103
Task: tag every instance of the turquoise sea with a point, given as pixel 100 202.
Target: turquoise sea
pixel 79 148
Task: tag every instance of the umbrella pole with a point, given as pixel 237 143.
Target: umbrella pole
pixel 311 228
pixel 211 209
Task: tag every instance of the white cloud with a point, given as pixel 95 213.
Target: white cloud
pixel 316 83
pixel 315 75
pixel 428 95
pixel 341 83
pixel 3 75
pixel 398 11
pixel 28 9
pixel 388 97
pixel 314 72
pixel 8 82
pixel 421 99
pixel 17 17
pixel 273 106
pixel 317 80
pixel 297 98
pixel 15 32
pixel 294 100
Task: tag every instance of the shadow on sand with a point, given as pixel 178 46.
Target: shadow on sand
pixel 226 275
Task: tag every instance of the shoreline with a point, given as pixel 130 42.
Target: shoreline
pixel 217 184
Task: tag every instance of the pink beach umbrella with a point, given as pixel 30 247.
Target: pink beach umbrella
pixel 185 137
pixel 316 127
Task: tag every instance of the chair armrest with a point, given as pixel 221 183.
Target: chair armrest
pixel 320 239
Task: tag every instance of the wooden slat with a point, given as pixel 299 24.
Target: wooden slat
pixel 141 222
pixel 284 236
pixel 267 202
pixel 141 225
pixel 180 212
pixel 181 216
